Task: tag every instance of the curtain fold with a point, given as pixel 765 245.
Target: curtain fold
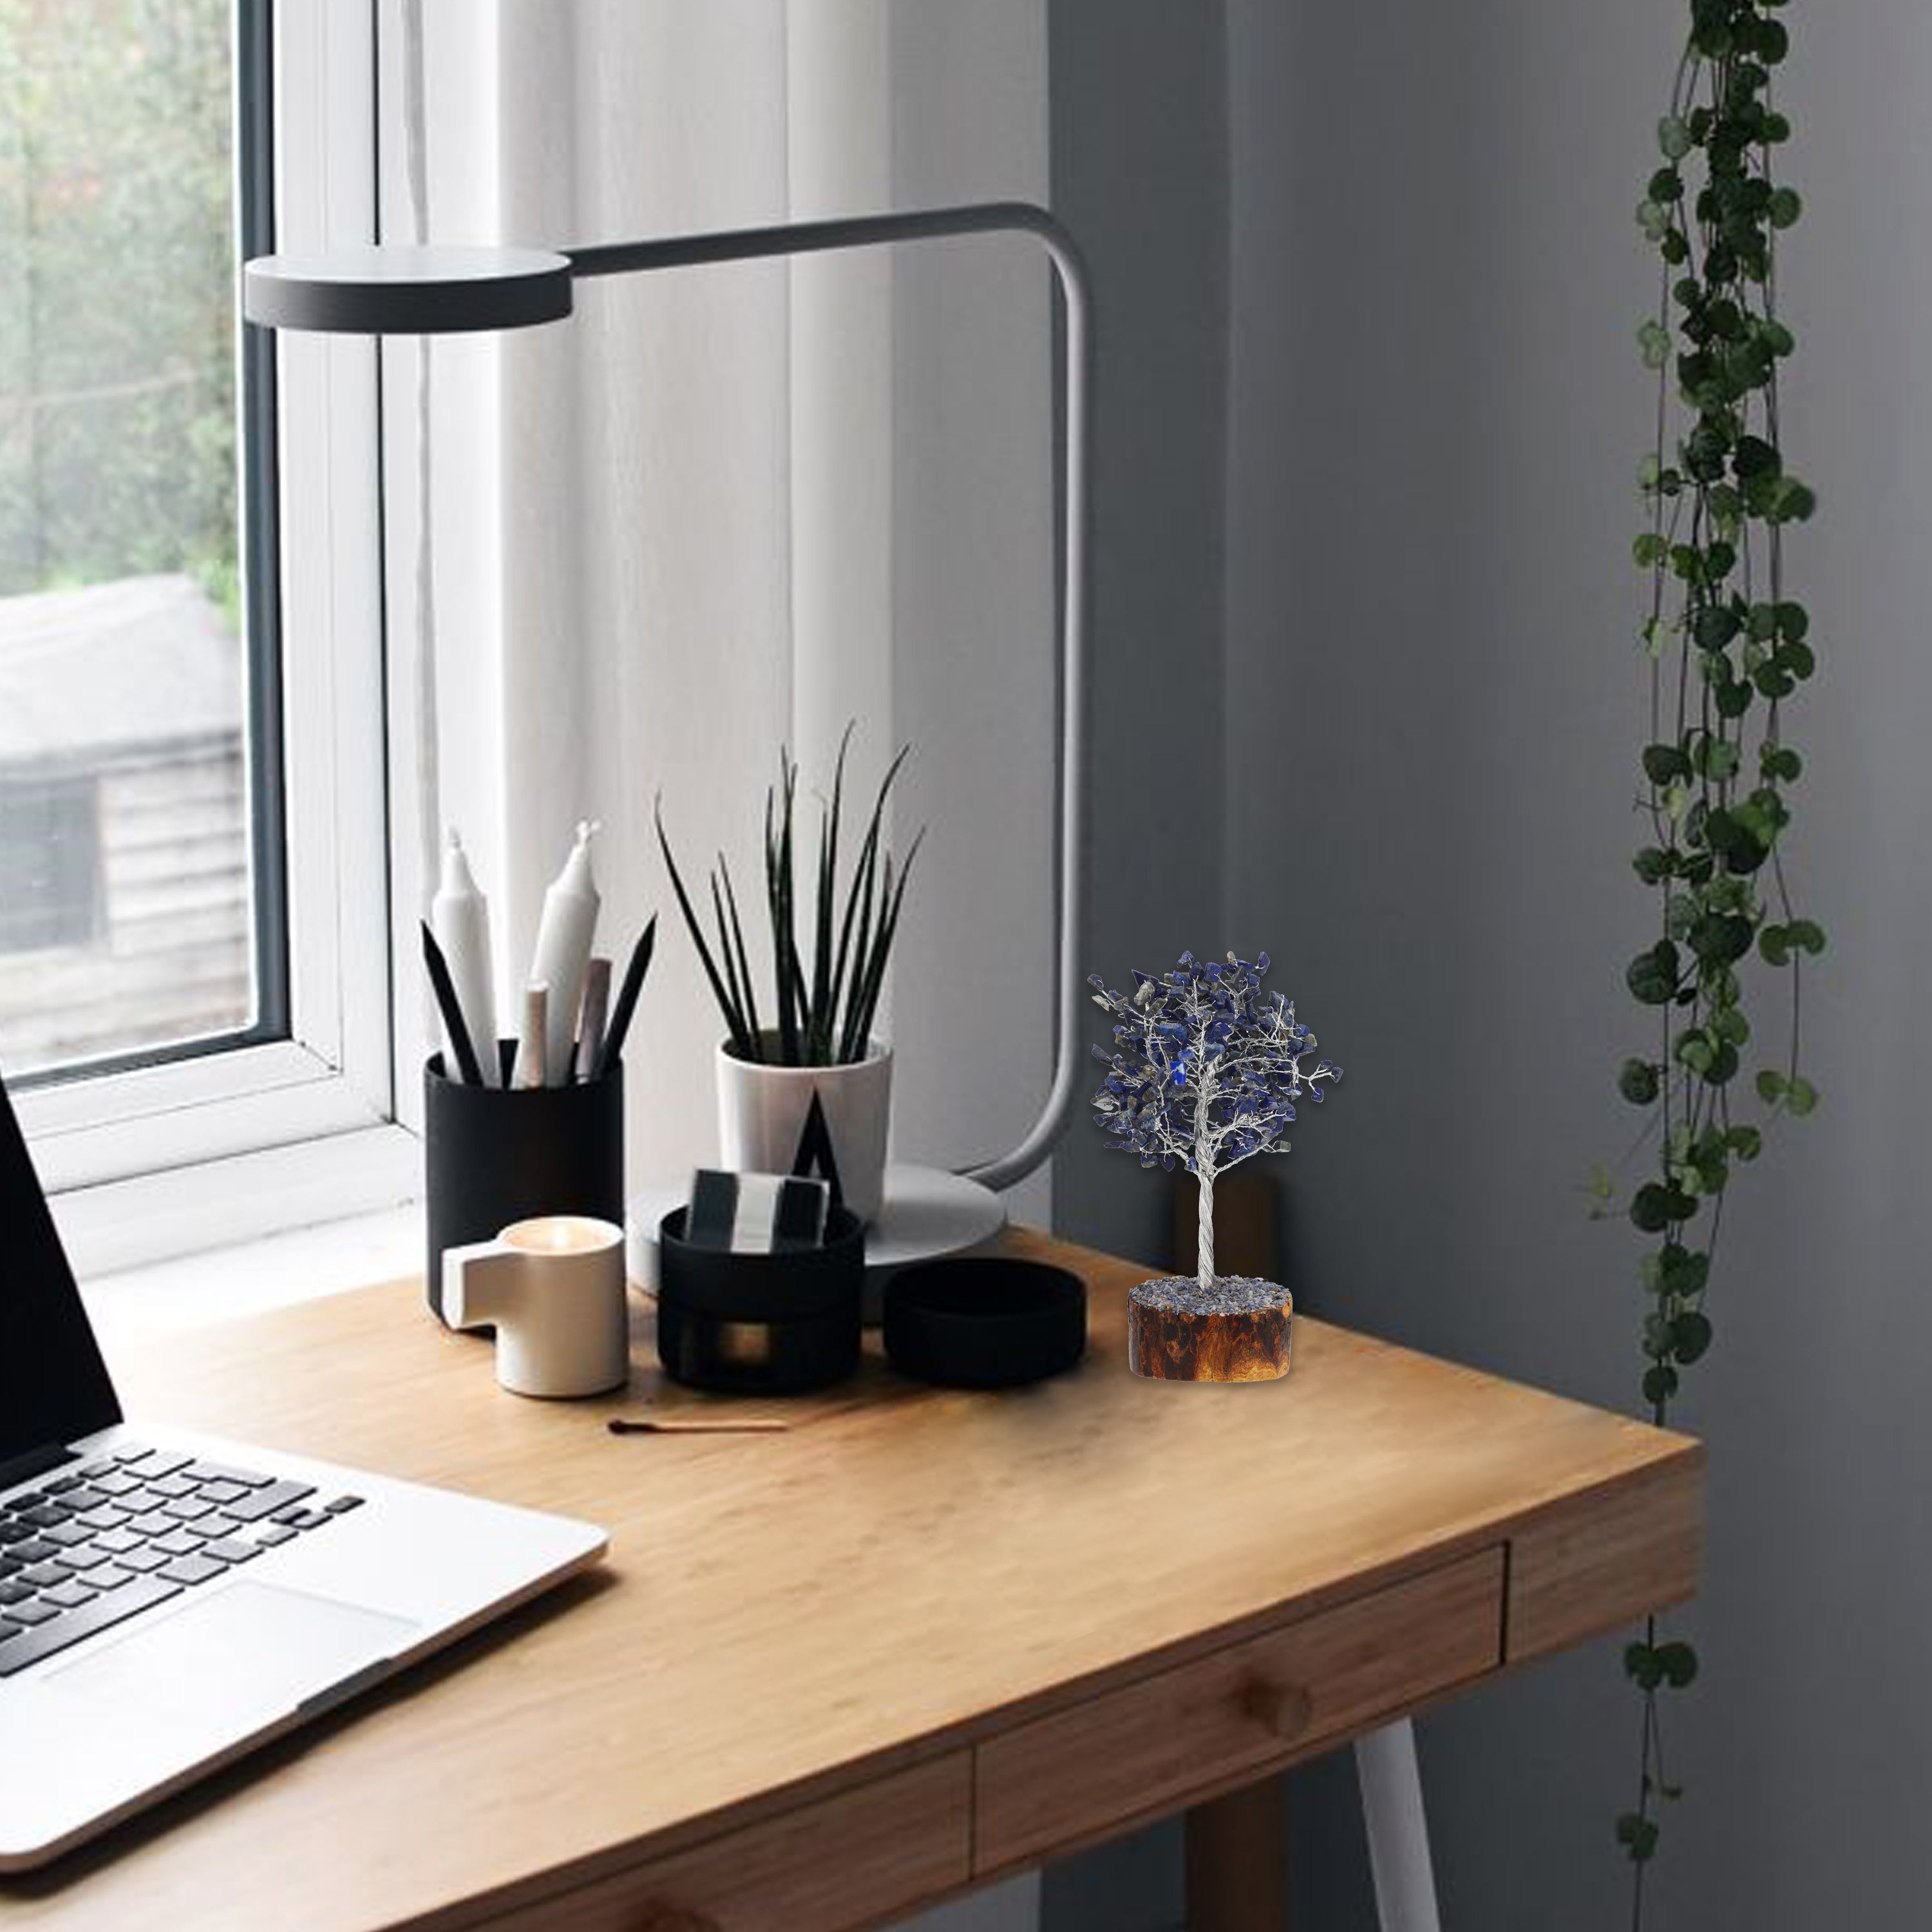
pixel 724 510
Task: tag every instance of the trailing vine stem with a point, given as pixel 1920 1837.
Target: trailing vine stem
pixel 1725 648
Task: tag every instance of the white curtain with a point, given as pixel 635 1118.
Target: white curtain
pixel 726 509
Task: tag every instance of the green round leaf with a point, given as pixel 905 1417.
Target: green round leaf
pixel 1662 764
pixel 1642 1666
pixel 1638 1082
pixel 1650 1208
pixel 1723 830
pixel 1715 625
pixel 1652 977
pixel 1673 136
pixel 1690 1335
pixel 1801 1098
pixel 1793 501
pixel 1681 1270
pixel 1678 1662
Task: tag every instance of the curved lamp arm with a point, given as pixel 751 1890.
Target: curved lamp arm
pixel 623 258
pixel 401 290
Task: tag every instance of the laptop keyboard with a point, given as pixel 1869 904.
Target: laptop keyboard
pixel 99 1543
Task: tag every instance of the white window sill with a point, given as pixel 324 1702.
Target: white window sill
pixel 209 1205
pixel 304 1264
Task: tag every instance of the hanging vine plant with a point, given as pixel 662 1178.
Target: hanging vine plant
pixel 1726 649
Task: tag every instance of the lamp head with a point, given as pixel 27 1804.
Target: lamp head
pixel 368 290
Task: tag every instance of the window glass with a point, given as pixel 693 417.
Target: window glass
pixel 128 898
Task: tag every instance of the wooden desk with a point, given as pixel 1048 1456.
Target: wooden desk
pixel 919 1640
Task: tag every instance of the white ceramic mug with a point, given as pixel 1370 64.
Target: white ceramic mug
pixel 554 1287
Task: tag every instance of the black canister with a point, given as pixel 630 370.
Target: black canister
pixel 767 1324
pixel 493 1155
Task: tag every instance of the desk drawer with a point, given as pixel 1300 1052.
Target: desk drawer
pixel 1147 1748
pixel 868 1854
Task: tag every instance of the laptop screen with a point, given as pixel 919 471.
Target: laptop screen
pixel 54 1386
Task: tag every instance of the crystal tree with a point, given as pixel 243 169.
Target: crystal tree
pixel 1205 1069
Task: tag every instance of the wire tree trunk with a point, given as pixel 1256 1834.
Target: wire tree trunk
pixel 1204 1167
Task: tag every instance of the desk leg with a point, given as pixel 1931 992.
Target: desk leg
pixel 1237 1862
pixel 1398 1829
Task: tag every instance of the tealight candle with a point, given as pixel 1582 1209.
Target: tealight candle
pixel 554 1288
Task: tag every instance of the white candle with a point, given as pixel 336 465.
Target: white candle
pixel 459 915
pixel 564 938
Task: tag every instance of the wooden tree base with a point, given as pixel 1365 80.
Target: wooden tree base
pixel 1236 1331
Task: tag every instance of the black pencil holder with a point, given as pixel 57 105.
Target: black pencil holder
pixel 493 1155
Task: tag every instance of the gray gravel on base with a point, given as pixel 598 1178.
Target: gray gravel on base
pixel 1232 1295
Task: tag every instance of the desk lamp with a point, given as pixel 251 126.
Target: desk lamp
pixel 380 289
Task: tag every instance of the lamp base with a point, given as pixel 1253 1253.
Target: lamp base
pixel 1237 1330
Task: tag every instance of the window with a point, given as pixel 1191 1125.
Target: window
pixel 140 907
pixel 194 918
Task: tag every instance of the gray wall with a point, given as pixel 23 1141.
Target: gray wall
pixel 1430 705
pixel 1140 170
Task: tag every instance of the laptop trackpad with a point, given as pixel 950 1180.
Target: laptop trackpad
pixel 241 1657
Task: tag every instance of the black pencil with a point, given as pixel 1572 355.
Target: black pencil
pixel 453 1024
pixel 627 999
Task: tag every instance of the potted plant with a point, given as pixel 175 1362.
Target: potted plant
pixel 1205 1070
pixel 804 1084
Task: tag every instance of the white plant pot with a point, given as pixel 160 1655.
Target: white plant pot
pixel 762 1111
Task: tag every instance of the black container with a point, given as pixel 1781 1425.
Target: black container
pixel 985 1322
pixel 493 1155
pixel 760 1323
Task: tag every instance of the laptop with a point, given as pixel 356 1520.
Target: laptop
pixel 168 1601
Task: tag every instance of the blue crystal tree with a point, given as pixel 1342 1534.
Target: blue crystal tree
pixel 1205 1069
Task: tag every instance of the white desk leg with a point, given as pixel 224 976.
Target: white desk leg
pixel 1398 1829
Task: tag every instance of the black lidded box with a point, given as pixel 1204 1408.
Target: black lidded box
pixel 770 1324
pixel 493 1155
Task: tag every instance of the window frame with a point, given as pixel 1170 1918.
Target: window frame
pixel 221 1124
